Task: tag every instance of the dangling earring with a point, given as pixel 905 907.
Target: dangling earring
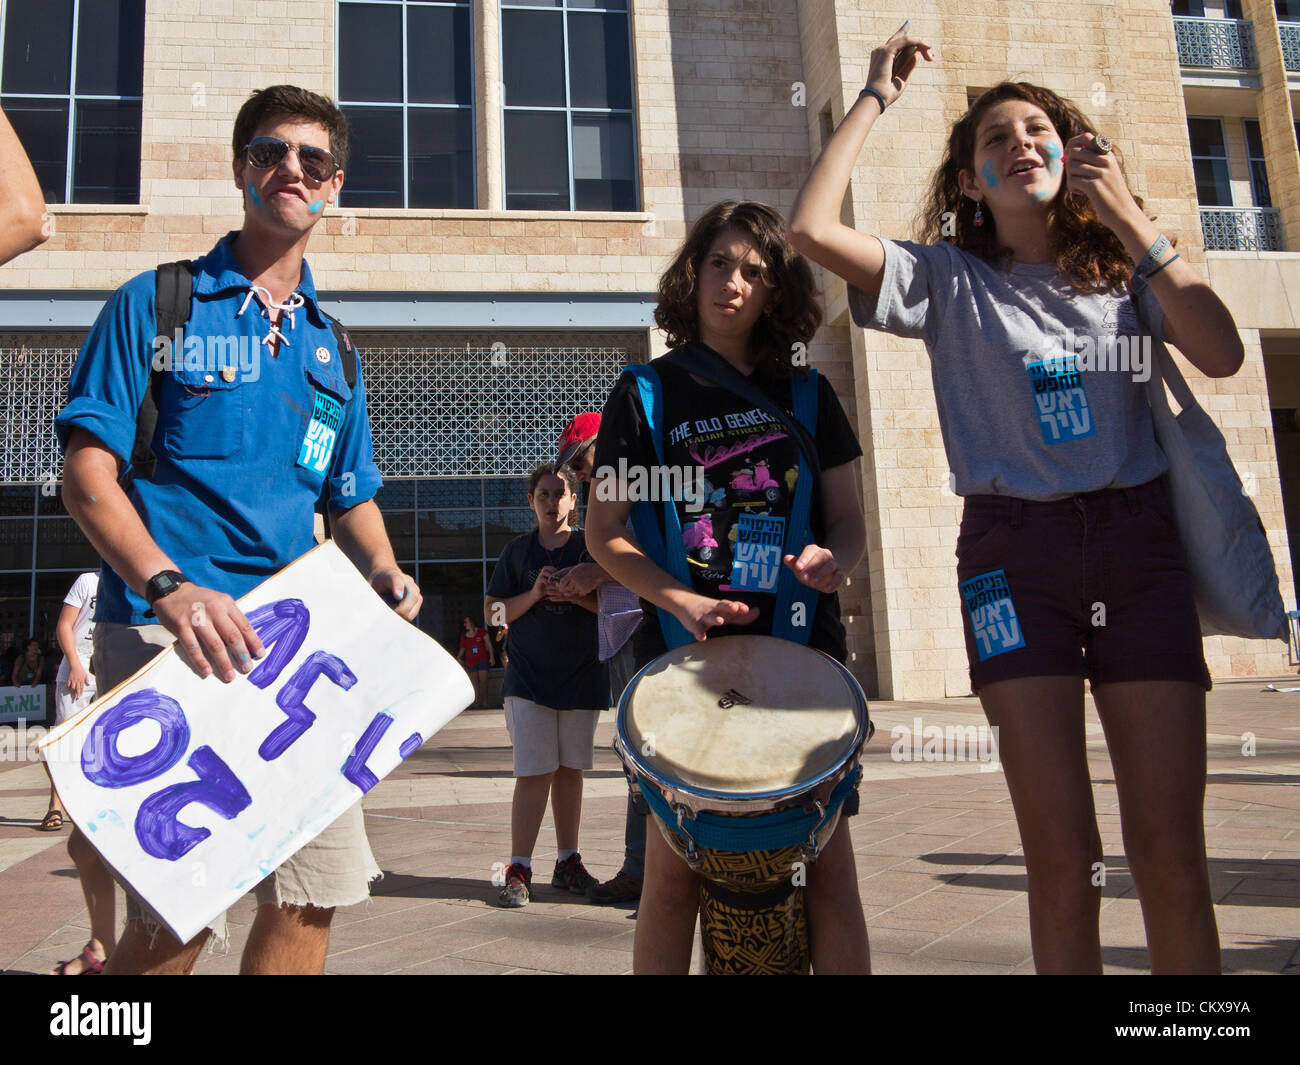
pixel 979 212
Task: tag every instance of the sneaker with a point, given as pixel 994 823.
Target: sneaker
pixel 519 887
pixel 622 888
pixel 572 875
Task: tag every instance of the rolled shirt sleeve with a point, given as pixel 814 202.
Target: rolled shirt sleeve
pixel 112 371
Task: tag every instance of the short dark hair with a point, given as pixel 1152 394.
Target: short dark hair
pixel 289 101
pixel 550 469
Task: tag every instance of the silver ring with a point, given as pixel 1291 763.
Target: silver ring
pixel 1101 144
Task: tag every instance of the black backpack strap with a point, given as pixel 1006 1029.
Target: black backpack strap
pixel 347 350
pixel 173 296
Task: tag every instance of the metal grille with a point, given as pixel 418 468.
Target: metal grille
pixel 1242 228
pixel 1223 44
pixel 1290 33
pixel 33 389
pixel 449 405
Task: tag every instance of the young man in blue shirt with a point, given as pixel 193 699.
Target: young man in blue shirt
pixel 257 429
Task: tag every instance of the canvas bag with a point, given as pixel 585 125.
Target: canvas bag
pixel 1233 575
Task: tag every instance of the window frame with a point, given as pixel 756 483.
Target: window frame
pixel 72 98
pixel 564 7
pixel 1227 159
pixel 1251 160
pixel 405 106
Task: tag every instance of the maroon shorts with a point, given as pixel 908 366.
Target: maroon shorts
pixel 1093 586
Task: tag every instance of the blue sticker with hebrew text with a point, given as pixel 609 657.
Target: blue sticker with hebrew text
pixel 1059 399
pixel 992 615
pixel 322 432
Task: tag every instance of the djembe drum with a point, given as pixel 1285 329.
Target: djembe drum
pixel 745 748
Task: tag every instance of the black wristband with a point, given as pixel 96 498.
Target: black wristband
pixel 163 584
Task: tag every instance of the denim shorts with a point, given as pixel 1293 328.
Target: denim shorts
pixel 1094 585
pixel 334 869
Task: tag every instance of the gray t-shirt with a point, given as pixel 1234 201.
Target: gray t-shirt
pixel 1039 386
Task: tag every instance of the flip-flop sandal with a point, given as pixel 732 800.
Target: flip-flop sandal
pixel 54 822
pixel 90 965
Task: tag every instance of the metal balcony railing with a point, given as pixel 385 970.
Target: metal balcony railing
pixel 1222 44
pixel 1290 32
pixel 1242 228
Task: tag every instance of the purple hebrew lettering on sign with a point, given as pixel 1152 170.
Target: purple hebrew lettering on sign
pixel 355 768
pixel 281 626
pixel 410 745
pixel 290 700
pixel 156 825
pixel 104 765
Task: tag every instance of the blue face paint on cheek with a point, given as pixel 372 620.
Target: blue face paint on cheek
pixel 317 207
pixel 989 174
pixel 252 195
pixel 1053 152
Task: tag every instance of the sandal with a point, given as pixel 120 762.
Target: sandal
pixel 54 822
pixel 90 965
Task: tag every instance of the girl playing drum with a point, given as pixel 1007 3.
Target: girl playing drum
pixel 735 290
pixel 1067 560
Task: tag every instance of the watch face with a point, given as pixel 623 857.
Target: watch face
pixel 164 583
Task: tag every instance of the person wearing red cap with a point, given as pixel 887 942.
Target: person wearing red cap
pixel 618 617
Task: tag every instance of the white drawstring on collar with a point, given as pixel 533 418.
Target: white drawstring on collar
pixel 290 305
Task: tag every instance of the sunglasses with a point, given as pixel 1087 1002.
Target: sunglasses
pixel 266 152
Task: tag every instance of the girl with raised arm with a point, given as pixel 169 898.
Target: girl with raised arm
pixel 1068 563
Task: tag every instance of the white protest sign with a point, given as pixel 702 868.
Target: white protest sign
pixel 194 790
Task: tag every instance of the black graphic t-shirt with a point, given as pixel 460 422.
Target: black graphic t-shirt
pixel 734 522
pixel 552 652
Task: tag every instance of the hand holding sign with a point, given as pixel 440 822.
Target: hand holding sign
pixel 169 772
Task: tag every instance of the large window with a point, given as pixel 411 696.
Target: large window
pixel 570 139
pixel 406 84
pixel 71 81
pixel 1255 155
pixel 1210 162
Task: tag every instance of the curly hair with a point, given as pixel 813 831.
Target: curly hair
pixel 1083 249
pixel 795 313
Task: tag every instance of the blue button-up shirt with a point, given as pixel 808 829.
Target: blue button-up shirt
pixel 249 445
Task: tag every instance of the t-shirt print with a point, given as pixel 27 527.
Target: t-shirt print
pixel 734 533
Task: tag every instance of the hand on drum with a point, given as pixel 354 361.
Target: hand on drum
pixel 701 613
pixel 817 568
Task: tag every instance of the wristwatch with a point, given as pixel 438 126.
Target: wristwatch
pixel 163 584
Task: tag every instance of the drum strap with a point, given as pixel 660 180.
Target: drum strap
pixel 795 602
pixel 781 828
pixel 755 902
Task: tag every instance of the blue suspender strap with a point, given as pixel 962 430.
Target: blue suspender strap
pixel 795 601
pixel 781 828
pixel 670 556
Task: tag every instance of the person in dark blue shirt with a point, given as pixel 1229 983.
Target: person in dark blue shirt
pixel 258 429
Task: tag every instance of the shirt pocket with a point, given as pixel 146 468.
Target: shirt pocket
pixel 327 410
pixel 202 415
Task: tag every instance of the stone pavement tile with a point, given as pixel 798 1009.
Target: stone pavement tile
pixel 888 889
pixel 906 845
pixel 451 966
pixel 1121 961
pixel 938 911
pixel 1257 915
pixel 1257 954
pixel 529 925
pixel 978 943
pixel 428 945
pixel 926 964
pixel 1284 888
pixel 390 926
pixel 527 954
pixel 886 940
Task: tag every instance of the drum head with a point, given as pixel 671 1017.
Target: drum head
pixel 742 715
